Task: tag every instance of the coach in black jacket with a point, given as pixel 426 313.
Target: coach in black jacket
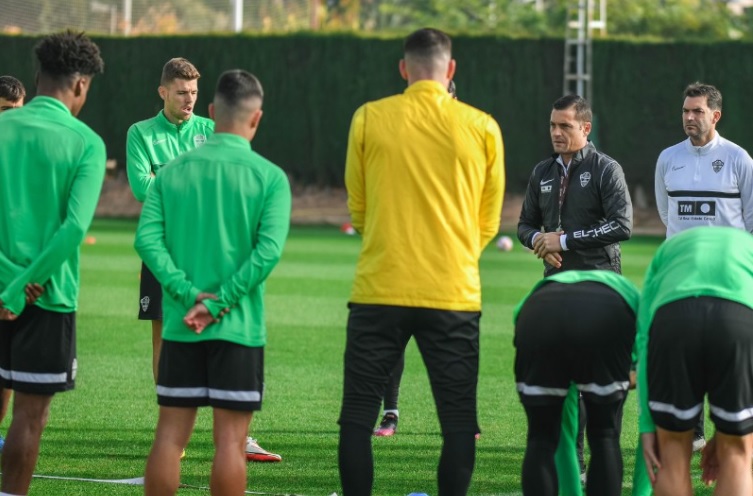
pixel 579 196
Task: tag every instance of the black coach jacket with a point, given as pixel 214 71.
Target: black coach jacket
pixel 596 214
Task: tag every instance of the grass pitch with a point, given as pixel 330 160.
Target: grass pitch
pixel 103 429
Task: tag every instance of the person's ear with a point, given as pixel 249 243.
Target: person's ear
pixel 716 116
pixel 402 69
pixel 451 69
pixel 162 92
pixel 211 111
pixel 255 119
pixel 587 128
pixel 80 86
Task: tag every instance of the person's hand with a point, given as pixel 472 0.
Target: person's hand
pixel 651 455
pixel 211 296
pixel 547 243
pixel 33 291
pixel 198 318
pixel 205 296
pixel 6 314
pixel 709 462
pixel 553 259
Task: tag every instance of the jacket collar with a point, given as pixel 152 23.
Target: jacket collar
pixel 578 156
pixel 705 149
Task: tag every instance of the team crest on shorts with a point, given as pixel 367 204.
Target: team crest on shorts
pixel 717 165
pixel 584 178
pixel 144 303
pixel 199 140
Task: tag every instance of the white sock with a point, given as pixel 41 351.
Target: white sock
pixel 9 494
pixel 395 412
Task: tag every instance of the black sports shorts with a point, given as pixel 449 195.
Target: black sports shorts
pixel 213 373
pixel 573 332
pixel 150 299
pixel 38 351
pixel 700 346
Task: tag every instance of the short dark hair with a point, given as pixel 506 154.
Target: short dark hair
pixel 178 68
pixel 713 95
pixel 427 43
pixel 582 107
pixel 11 89
pixel 62 55
pixel 236 86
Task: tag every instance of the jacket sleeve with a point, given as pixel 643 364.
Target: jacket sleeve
pixel 531 217
pixel 354 174
pixel 745 186
pixel 494 185
pixel 138 167
pixel 660 189
pixel 151 247
pixel 618 213
pixel 272 232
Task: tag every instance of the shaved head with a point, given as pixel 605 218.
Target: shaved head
pixel 238 94
pixel 427 55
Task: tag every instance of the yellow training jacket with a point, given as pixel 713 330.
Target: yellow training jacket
pixel 425 179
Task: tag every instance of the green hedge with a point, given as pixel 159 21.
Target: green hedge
pixel 314 82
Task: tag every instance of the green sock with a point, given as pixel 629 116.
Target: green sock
pixel 566 457
pixel 641 482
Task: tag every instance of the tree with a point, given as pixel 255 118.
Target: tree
pixel 674 19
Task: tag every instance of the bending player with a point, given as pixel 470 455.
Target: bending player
pixel 558 343
pixel 695 339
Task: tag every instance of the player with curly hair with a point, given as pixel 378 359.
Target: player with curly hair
pixel 51 170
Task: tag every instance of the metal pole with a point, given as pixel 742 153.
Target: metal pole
pixel 127 14
pixel 581 57
pixel 238 16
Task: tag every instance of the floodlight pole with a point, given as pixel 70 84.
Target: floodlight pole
pixel 578 47
pixel 127 16
pixel 237 16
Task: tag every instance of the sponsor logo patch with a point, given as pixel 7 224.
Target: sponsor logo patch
pixel 199 140
pixel 698 209
pixel 677 167
pixel 546 189
pixel 144 303
pixel 584 178
pixel 597 231
pixel 159 141
pixel 542 182
pixel 717 165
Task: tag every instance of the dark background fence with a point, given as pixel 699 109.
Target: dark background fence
pixel 314 82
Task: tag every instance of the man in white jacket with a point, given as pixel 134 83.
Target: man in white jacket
pixel 704 180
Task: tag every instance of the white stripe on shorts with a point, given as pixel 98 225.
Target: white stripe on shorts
pixel 34 377
pixel 244 396
pixel 603 390
pixel 674 411
pixel 743 414
pixel 171 392
pixel 524 388
pixel 202 392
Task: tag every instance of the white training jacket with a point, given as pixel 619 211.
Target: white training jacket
pixel 710 185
